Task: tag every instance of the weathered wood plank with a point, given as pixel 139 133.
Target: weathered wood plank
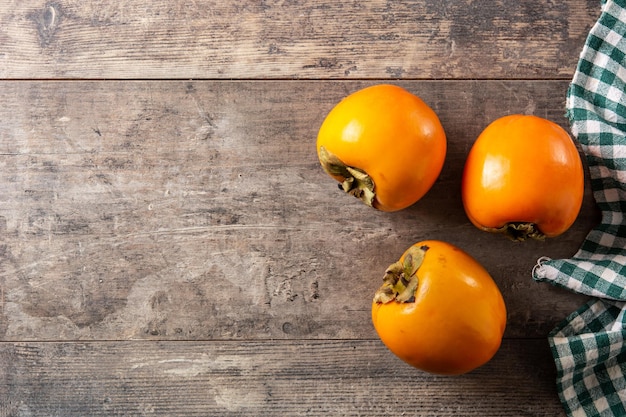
pixel 292 39
pixel 290 378
pixel 195 210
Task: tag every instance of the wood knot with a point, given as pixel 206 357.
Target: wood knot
pixel 47 22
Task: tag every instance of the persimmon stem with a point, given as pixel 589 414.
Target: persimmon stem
pixel 355 181
pixel 518 231
pixel 400 280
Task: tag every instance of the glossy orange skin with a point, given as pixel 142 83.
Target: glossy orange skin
pixel 458 318
pixel 523 169
pixel 393 136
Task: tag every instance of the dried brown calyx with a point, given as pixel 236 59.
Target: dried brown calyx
pixel 518 231
pixel 356 182
pixel 400 280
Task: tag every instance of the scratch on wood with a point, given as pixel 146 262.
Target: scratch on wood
pixel 326 63
pixel 267 293
pixel 1 303
pixel 207 129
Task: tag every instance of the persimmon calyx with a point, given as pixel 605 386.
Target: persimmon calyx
pixel 518 231
pixel 400 280
pixel 356 182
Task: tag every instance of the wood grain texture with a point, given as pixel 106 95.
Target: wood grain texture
pixel 198 210
pixel 281 39
pixel 172 247
pixel 290 378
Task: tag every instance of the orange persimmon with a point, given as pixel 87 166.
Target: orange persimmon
pixel 523 177
pixel 384 145
pixel 439 310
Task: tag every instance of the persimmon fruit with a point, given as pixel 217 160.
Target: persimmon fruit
pixel 523 177
pixel 384 145
pixel 439 310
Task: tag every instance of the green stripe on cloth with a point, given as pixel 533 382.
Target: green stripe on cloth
pixel 589 346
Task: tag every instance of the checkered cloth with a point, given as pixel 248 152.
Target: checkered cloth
pixel 589 347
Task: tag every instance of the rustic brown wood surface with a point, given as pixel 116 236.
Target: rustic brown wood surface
pixel 169 244
pixel 292 38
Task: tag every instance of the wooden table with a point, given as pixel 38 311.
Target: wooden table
pixel 169 244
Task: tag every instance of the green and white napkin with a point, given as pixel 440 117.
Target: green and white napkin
pixel 589 346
